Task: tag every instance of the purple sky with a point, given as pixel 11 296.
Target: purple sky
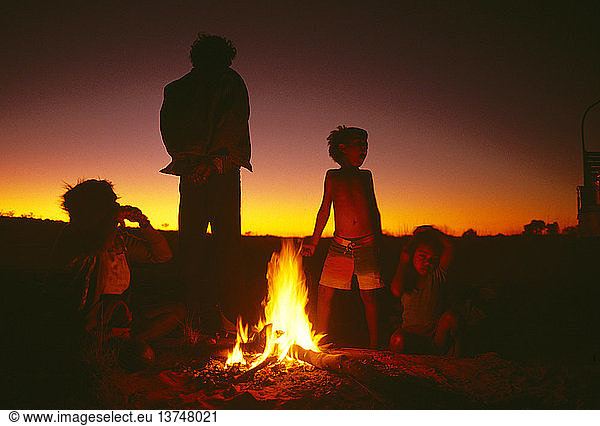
pixel 473 113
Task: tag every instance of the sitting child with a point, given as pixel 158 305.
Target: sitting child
pixel 420 281
pixel 93 252
pixel 357 229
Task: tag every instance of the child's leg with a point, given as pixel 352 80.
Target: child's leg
pixel 369 298
pixel 161 321
pixel 397 341
pixel 324 308
pixel 405 342
pixel 447 338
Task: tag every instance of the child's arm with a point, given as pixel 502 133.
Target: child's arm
pixel 376 214
pixel 153 248
pixel 446 256
pixel 397 284
pixel 308 249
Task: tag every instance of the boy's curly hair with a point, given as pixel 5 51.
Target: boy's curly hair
pixel 340 136
pixel 212 50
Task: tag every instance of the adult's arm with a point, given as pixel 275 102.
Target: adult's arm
pixel 230 135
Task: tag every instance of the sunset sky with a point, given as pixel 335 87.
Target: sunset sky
pixel 473 113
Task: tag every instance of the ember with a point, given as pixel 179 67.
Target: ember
pixel 285 322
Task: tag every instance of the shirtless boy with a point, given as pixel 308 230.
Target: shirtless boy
pixel 353 249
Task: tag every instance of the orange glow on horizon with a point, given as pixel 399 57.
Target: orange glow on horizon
pixel 463 129
pixel 274 205
pixel 290 215
pixel 452 190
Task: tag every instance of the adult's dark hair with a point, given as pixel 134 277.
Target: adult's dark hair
pixel 212 51
pixel 340 136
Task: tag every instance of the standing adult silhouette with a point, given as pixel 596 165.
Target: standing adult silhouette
pixel 204 126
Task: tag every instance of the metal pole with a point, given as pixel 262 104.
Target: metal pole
pixel 585 180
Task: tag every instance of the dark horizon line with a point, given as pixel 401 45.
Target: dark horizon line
pixel 251 234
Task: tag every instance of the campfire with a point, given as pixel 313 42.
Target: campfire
pixel 285 329
pixel 283 340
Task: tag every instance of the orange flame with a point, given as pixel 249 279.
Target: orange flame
pixel 237 356
pixel 285 310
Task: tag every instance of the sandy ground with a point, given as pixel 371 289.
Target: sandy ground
pixel 531 305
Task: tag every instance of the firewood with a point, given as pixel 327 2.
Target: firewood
pixel 342 365
pixel 257 341
pixel 325 361
pixel 250 373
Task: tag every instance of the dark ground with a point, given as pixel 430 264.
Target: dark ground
pixel 531 305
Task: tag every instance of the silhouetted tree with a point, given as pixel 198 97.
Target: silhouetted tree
pixel 469 233
pixel 535 227
pixel 569 230
pixel 552 228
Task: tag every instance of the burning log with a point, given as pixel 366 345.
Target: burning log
pixel 258 341
pixel 285 315
pixel 247 375
pixel 342 365
pixel 322 360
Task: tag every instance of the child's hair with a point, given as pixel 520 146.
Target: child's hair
pixel 212 50
pixel 89 198
pixel 430 238
pixel 340 136
pixel 88 193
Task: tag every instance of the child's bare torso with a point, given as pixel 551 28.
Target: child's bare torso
pixel 354 206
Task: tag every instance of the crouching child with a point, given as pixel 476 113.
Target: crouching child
pixel 428 325
pixel 93 254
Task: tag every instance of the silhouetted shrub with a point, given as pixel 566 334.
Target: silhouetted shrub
pixel 552 228
pixel 469 233
pixel 535 227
